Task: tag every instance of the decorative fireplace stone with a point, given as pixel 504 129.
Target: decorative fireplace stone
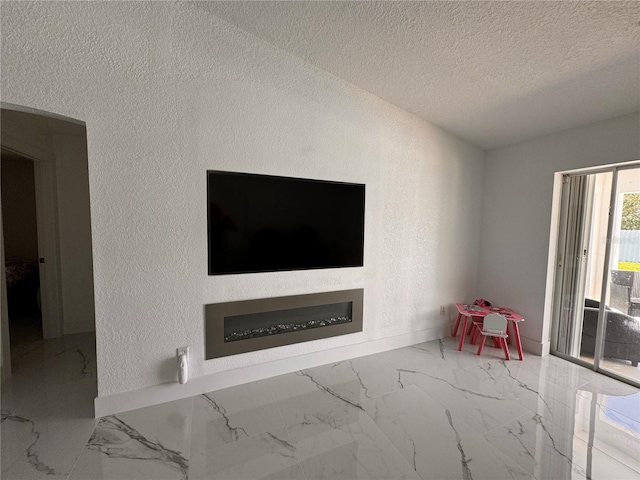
pixel 249 325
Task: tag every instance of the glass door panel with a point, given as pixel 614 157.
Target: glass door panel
pixel 595 252
pixel 621 336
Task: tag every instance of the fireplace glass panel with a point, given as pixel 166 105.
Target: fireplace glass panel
pixel 253 325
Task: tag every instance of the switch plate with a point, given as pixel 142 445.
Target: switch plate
pixel 182 350
pixel 443 310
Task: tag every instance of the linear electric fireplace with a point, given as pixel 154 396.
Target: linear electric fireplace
pixel 249 325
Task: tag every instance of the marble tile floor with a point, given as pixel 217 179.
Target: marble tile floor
pixel 620 367
pixel 421 412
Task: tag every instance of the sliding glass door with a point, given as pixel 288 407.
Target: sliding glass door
pixel 596 319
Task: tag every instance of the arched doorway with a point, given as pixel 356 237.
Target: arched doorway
pixel 50 151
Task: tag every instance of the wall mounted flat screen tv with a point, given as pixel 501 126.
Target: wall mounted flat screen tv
pixel 263 223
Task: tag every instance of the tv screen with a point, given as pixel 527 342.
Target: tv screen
pixel 262 223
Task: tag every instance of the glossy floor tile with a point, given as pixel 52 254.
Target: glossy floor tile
pixel 47 408
pixel 416 413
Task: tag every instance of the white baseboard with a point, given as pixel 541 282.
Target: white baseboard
pixel 546 348
pixel 167 392
pixel 534 346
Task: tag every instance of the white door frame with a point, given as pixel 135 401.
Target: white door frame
pixel 48 248
pixel 4 326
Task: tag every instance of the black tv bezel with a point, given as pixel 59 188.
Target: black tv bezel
pixel 299 179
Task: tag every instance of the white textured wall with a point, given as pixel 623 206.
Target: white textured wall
pixel 517 211
pixel 167 92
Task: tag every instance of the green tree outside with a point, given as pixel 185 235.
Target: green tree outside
pixel 631 211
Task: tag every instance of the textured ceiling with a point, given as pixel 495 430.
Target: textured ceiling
pixel 493 73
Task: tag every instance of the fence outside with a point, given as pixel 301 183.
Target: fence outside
pixel 629 250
